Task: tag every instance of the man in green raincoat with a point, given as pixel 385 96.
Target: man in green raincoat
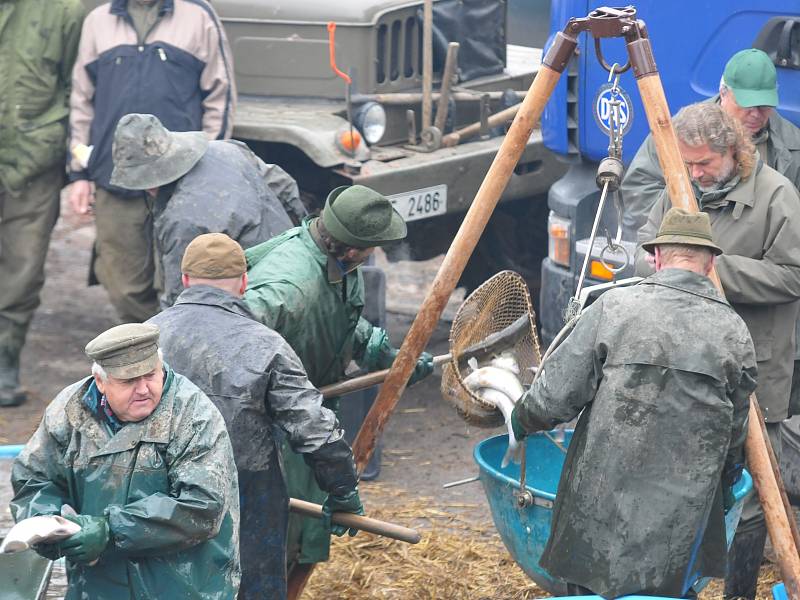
pixel 144 458
pixel 306 284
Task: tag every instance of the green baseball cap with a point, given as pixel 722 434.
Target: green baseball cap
pixel 361 217
pixel 683 227
pixel 752 78
pixel 126 351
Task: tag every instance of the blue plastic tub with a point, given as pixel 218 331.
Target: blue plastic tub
pixel 524 531
pixel 779 592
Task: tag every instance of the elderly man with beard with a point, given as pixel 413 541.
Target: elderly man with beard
pixel 755 218
pixel 143 456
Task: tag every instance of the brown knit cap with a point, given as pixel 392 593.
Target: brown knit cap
pixel 213 256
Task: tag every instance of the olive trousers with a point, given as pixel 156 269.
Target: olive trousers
pixel 26 221
pixel 123 254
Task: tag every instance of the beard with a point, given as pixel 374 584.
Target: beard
pixel 726 174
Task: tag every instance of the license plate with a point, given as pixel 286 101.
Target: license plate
pixel 422 203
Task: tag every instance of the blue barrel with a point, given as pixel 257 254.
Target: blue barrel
pixel 524 531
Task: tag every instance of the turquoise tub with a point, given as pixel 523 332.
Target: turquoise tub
pixel 524 531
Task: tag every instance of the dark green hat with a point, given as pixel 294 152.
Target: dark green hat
pixel 360 217
pixel 147 155
pixel 126 351
pixel 752 78
pixel 683 227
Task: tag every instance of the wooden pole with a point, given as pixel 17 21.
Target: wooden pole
pixel 450 64
pixel 454 262
pixel 765 475
pixel 427 63
pixel 456 137
pixel 390 530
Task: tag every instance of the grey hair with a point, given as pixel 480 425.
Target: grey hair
pixel 103 375
pixel 706 123
pixel 723 87
pixel 698 254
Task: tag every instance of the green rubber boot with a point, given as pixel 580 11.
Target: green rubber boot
pixel 11 394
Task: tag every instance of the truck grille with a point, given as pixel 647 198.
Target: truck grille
pixel 398 57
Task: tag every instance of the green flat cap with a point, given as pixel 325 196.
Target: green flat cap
pixel 361 217
pixel 146 155
pixel 683 227
pixel 752 78
pixel 213 256
pixel 126 351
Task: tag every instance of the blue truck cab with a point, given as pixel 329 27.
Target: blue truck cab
pixel 692 41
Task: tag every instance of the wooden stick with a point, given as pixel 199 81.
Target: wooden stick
pixel 427 63
pixel 454 262
pixel 453 139
pixel 450 64
pixel 390 530
pixel 765 473
pixel 340 388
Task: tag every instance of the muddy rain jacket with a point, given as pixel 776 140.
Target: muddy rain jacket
pixel 167 485
pixel 662 372
pixel 256 380
pixel 644 181
pixel 289 291
pixel 230 190
pixel 758 228
pixel 180 72
pixel 38 44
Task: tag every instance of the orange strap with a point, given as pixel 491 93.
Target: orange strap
pixel 332 52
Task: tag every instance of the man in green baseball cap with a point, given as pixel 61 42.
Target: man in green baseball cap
pixel 666 365
pixel 307 285
pixel 144 458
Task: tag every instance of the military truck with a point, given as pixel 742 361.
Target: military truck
pixel 293 111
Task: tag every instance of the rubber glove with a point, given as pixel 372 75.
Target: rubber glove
pixel 349 502
pixel 48 551
pixel 516 426
pixel 88 544
pixel 423 368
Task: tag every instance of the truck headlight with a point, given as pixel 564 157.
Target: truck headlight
pixel 558 239
pixel 370 119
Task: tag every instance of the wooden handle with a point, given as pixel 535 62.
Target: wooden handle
pixel 390 530
pixel 427 63
pixel 453 139
pixel 363 382
pixel 766 475
pixel 450 63
pixel 454 262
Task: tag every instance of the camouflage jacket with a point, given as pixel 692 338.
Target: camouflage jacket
pixel 660 374
pixel 38 45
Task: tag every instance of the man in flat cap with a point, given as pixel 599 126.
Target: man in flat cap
pixel 143 456
pixel 660 374
pixel 257 382
pixel 306 284
pixel 755 216
pixel 200 187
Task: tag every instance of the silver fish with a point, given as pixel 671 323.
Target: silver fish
pixel 35 530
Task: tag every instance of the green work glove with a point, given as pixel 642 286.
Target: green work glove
pixel 350 502
pixel 89 543
pixel 728 499
pixel 516 425
pixel 423 368
pixel 48 551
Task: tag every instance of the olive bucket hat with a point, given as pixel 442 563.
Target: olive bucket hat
pixel 751 76
pixel 361 217
pixel 147 155
pixel 683 227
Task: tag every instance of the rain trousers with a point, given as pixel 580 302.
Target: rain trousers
pixel 167 485
pixel 289 291
pixel 256 380
pixel 661 372
pixel 230 190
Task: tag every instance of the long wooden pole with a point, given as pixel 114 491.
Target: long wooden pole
pixel 760 466
pixel 427 63
pixel 454 262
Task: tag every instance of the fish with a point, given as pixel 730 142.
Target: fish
pixel 506 405
pixel 36 530
pixel 505 360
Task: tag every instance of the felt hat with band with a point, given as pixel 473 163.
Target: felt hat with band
pixel 683 227
pixel 361 217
